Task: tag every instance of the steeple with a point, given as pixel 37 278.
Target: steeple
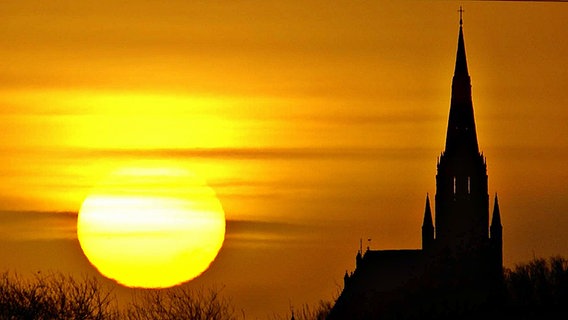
pixel 461 61
pixel 427 226
pixel 462 201
pixel 461 136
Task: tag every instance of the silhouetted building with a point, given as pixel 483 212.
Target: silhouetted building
pixel 459 271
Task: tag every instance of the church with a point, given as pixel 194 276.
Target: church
pixel 458 273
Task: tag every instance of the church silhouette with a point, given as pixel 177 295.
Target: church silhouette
pixel 458 273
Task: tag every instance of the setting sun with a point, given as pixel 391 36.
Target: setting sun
pixel 151 226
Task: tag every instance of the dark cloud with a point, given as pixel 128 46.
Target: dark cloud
pixel 37 225
pixel 45 225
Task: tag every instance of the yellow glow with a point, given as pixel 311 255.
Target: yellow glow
pixel 151 226
pixel 102 119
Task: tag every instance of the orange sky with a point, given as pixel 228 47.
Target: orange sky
pixel 322 120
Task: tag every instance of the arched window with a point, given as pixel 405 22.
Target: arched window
pixel 455 185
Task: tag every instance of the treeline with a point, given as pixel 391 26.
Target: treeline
pixel 535 290
pixel 55 296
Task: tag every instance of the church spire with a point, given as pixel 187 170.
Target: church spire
pixel 461 183
pixel 461 61
pixel 461 136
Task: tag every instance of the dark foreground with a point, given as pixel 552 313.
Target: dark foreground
pixel 535 290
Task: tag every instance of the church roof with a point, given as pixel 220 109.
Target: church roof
pixel 390 268
pixel 391 254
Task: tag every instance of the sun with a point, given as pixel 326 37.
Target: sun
pixel 151 225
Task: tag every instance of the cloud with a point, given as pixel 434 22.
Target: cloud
pixel 45 225
pixel 257 233
pixel 37 225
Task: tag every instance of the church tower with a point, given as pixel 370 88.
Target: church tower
pixel 468 254
pixel 462 200
pixel 459 270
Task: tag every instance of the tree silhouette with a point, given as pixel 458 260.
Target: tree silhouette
pixel 180 303
pixel 538 289
pixel 307 312
pixel 54 296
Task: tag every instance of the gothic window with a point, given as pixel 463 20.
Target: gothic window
pixel 468 185
pixel 454 185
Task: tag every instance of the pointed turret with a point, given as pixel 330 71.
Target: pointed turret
pixel 496 233
pixel 461 137
pixel 427 226
pixel 496 220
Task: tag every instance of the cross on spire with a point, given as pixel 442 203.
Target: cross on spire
pixel 461 10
